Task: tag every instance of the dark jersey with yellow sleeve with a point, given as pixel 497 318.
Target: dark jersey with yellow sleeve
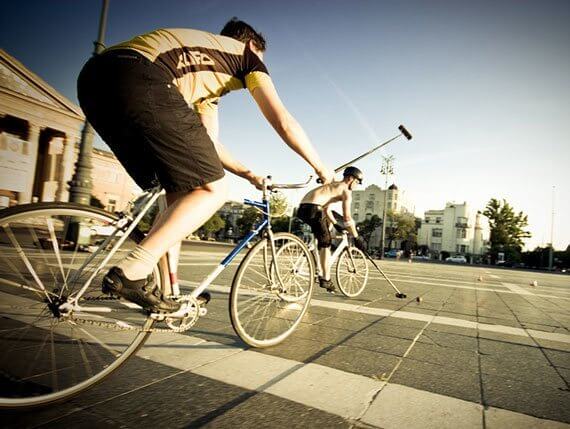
pixel 204 66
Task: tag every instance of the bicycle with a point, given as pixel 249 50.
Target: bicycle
pixel 351 268
pixel 60 335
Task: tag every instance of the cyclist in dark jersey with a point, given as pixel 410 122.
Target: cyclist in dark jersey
pixel 154 99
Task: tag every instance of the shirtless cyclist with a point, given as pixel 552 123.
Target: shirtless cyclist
pixel 154 101
pixel 315 210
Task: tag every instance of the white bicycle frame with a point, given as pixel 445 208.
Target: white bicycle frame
pixel 334 256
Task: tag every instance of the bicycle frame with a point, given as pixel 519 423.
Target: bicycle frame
pixel 263 206
pixel 150 199
pixel 315 252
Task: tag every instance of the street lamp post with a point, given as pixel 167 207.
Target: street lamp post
pixel 551 249
pixel 80 185
pixel 387 170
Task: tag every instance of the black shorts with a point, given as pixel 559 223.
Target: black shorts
pixel 136 109
pixel 314 216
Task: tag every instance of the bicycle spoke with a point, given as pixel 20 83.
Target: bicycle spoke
pixel 26 261
pixel 49 354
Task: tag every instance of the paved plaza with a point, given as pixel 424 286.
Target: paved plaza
pixel 483 348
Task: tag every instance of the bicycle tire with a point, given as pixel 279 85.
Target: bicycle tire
pixel 29 217
pixel 351 284
pixel 282 315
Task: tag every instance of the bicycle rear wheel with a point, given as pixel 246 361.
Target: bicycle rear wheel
pixel 47 253
pixel 352 272
pixel 270 296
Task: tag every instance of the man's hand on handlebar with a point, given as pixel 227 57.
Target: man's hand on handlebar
pixel 255 180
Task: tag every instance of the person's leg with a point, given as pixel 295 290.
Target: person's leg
pixel 325 257
pixel 185 215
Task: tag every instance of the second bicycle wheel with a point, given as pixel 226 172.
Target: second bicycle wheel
pixel 352 272
pixel 270 296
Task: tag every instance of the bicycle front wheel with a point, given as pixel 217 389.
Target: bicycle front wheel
pixel 352 272
pixel 48 251
pixel 270 296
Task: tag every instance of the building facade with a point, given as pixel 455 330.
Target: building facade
pixel 39 144
pixel 370 202
pixel 454 230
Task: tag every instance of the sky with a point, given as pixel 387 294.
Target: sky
pixel 484 87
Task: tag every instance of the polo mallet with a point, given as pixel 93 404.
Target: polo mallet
pixel 403 132
pixel 398 293
pixel 339 226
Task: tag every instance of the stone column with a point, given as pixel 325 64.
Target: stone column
pixel 50 185
pixel 33 145
pixel 66 168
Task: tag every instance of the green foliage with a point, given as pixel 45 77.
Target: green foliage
pixel 507 229
pixel 280 224
pixel 148 219
pixel 212 225
pixel 96 202
pixel 367 227
pixel 248 219
pixel 403 228
pixel 278 204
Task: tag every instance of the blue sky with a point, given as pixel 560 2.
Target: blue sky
pixel 484 86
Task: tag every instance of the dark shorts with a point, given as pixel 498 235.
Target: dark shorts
pixel 314 216
pixel 146 122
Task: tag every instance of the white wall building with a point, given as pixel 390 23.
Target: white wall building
pixel 370 202
pixel 453 229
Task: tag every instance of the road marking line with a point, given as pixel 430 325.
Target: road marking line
pixel 518 290
pixel 440 320
pixel 493 276
pixel 334 391
pixel 484 289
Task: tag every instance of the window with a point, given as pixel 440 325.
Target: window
pixel 356 206
pixel 370 205
pixel 437 220
pixel 356 197
pixel 436 232
pixel 461 233
pixel 427 219
pixel 371 197
pixel 436 246
pixel 355 217
pixel 461 248
pixel 111 205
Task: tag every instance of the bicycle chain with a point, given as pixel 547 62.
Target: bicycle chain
pixel 125 327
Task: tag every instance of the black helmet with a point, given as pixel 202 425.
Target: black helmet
pixel 354 172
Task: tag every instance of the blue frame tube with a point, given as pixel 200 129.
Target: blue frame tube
pixel 264 205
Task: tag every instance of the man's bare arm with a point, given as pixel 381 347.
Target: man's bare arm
pixel 210 121
pixel 288 128
pixel 349 223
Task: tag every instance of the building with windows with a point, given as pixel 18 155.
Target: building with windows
pixel 39 135
pixel 370 202
pixel 454 230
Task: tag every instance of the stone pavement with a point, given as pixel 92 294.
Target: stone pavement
pixel 482 349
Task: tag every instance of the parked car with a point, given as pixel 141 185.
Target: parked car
pixel 458 259
pixel 393 253
pixel 421 258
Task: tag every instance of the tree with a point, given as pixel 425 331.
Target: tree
pixel 280 224
pixel 278 205
pixel 403 228
pixel 249 217
pixel 507 229
pixel 367 227
pixel 212 225
pixel 96 202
